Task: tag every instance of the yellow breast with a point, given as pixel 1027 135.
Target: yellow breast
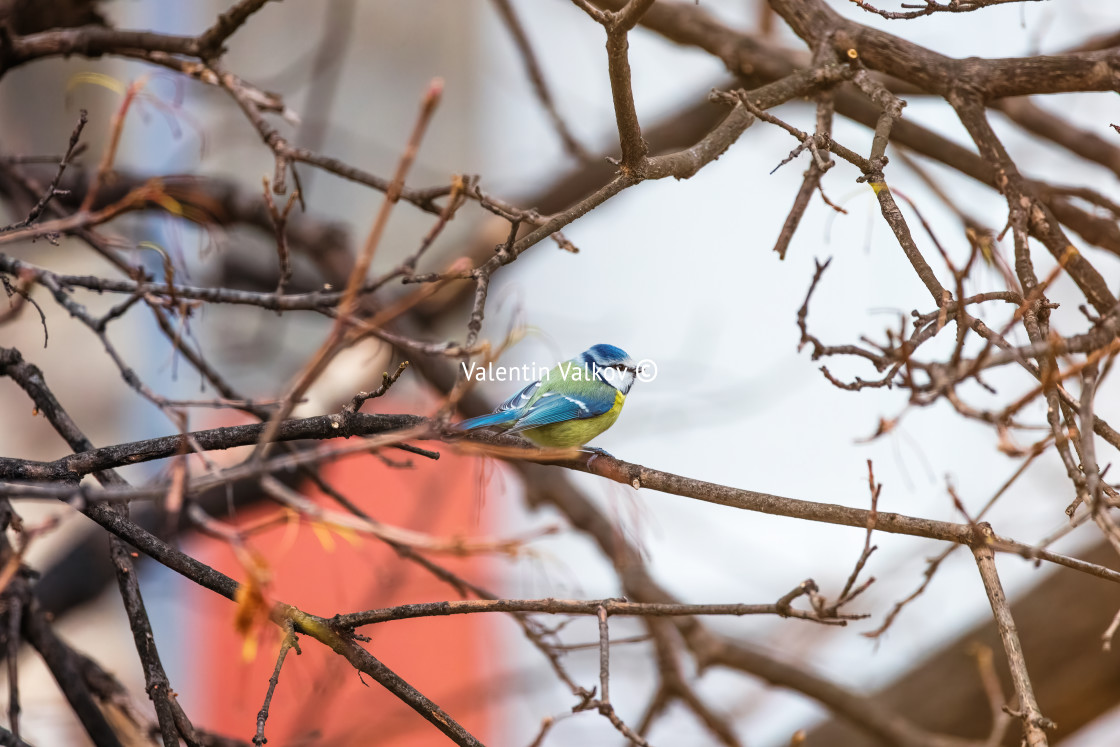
pixel 571 433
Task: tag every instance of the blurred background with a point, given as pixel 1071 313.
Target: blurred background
pixel 681 273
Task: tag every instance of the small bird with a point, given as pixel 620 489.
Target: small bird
pixel 572 404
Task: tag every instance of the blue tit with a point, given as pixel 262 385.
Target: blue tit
pixel 572 404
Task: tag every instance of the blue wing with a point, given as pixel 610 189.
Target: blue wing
pixel 553 407
pixel 519 400
pixel 506 413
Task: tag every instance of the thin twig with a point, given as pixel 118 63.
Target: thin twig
pixel 289 642
pixel 1034 723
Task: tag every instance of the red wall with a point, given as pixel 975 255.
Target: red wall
pixel 449 659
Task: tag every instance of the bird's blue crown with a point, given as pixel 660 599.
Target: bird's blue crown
pixel 603 355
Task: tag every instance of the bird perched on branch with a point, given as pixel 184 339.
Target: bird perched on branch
pixel 573 403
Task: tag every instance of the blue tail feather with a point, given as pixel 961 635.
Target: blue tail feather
pixel 505 417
